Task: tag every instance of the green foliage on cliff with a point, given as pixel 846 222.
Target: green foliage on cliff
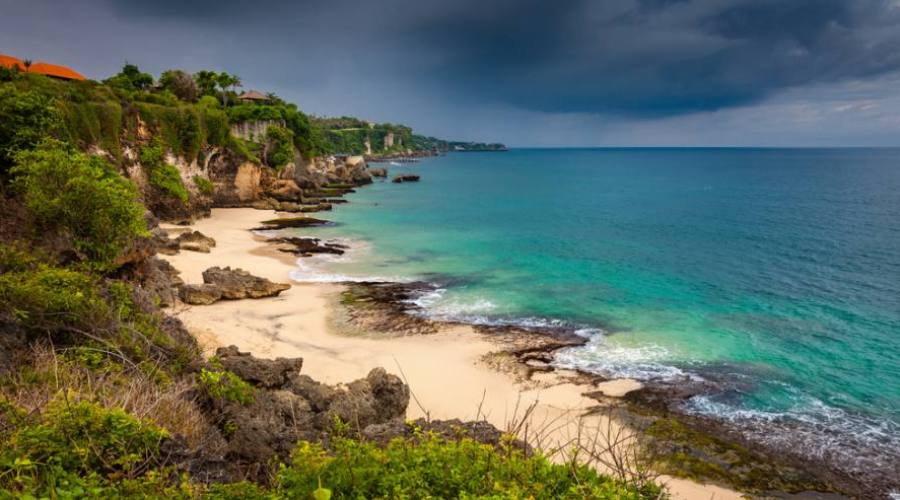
pixel 162 175
pixel 76 449
pixel 306 138
pixel 26 117
pixel 432 467
pixel 223 384
pixel 204 185
pixel 281 146
pixel 82 196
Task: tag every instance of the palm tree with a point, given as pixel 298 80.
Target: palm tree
pixel 27 63
pixel 226 82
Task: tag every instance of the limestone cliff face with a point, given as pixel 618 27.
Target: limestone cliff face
pixel 254 130
pixel 320 171
pixel 221 177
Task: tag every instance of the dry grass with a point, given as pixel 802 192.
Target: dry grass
pixel 596 439
pixel 168 404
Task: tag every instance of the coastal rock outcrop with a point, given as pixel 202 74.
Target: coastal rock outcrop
pixel 378 172
pixel 284 190
pixel 287 406
pixel 288 222
pixel 200 295
pixel 239 284
pixel 308 246
pixel 406 178
pixel 195 241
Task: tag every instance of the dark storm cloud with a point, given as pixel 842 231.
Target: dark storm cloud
pixel 639 58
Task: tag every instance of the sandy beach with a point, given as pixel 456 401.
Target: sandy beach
pixel 445 370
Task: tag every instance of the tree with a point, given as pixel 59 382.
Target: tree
pixel 131 78
pixel 206 82
pixel 227 82
pixel 179 83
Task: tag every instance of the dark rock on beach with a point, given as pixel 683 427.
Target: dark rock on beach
pixel 195 241
pixel 308 246
pixel 231 284
pixel 288 407
pixel 201 295
pixel 239 284
pixel 405 178
pixel 291 222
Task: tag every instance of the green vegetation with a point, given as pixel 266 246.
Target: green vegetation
pixel 78 449
pixel 80 195
pixel 432 467
pixel 204 185
pixel 25 119
pixel 162 175
pixel 281 146
pixel 223 384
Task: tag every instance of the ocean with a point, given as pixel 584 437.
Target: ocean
pixel 774 272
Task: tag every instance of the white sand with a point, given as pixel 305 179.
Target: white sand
pixel 443 370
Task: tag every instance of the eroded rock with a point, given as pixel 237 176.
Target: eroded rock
pixel 309 246
pixel 239 284
pixel 405 178
pixel 195 241
pixel 201 295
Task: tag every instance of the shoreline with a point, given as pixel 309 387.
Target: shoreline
pixel 448 371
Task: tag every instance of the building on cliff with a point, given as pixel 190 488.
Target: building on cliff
pixel 254 96
pixel 41 68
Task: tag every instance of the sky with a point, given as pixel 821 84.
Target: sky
pixel 522 72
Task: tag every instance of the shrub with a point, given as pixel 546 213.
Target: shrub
pixel 223 384
pixel 281 146
pixel 26 117
pixel 82 196
pixel 431 467
pixel 53 299
pixel 204 185
pixel 75 448
pixel 162 175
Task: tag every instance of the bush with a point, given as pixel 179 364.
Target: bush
pixel 77 449
pixel 81 195
pixel 431 467
pixel 26 117
pixel 225 385
pixel 162 175
pixel 53 299
pixel 281 146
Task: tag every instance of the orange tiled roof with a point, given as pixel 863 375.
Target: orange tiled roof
pixel 11 62
pixel 48 69
pixel 41 68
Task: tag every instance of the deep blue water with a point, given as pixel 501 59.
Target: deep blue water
pixel 775 270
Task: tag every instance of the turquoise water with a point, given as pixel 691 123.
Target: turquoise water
pixel 776 272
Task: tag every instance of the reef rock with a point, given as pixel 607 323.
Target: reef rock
pixel 201 295
pixel 406 178
pixel 239 284
pixel 195 241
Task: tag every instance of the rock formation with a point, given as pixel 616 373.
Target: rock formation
pixel 195 241
pixel 230 284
